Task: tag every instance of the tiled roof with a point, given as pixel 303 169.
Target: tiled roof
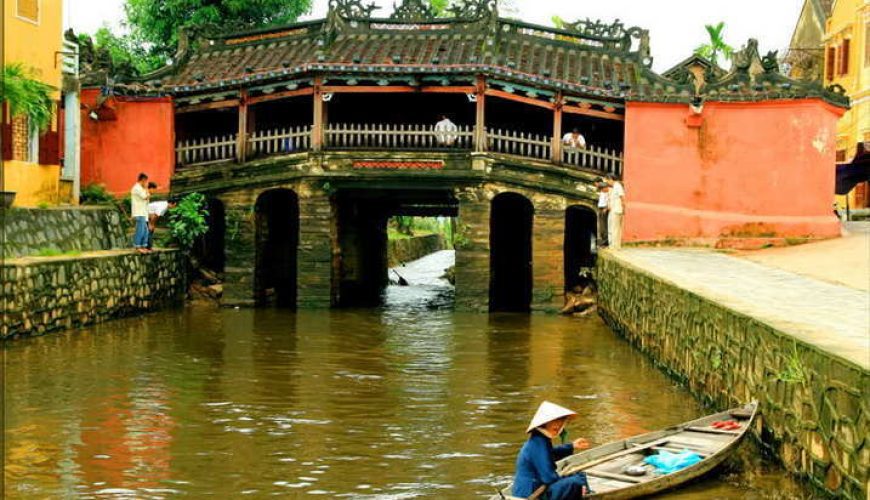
pixel 583 59
pixel 606 60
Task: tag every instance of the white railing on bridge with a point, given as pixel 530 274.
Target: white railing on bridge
pixel 206 150
pixel 595 158
pixel 396 136
pixel 519 144
pixel 280 141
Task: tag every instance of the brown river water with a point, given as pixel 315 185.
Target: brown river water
pixel 410 400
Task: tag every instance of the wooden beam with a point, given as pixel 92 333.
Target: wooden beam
pixel 518 98
pixel 280 95
pixel 368 89
pixel 448 89
pixel 317 121
pixel 556 150
pixel 577 110
pixel 242 138
pixel 205 106
pixel 480 115
pixel 397 89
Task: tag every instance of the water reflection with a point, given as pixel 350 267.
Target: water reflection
pixel 398 403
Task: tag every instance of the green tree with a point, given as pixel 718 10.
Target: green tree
pixel 187 220
pixel 156 23
pixel 716 45
pixel 117 54
pixel 25 95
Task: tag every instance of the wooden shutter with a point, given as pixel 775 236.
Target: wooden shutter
pixel 6 134
pixel 829 67
pixel 844 57
pixel 49 143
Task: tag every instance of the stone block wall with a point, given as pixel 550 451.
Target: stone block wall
pixel 27 231
pixel 815 406
pixel 408 249
pixel 40 295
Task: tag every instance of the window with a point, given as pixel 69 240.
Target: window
pixel 28 9
pixel 25 140
pixel 844 57
pixel 829 66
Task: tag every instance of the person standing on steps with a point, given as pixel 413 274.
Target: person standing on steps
pixel 603 204
pixel 139 197
pixel 616 205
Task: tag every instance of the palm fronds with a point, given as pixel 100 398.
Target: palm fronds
pixel 26 95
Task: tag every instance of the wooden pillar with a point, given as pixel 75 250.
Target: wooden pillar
pixel 317 123
pixel 480 117
pixel 556 150
pixel 242 138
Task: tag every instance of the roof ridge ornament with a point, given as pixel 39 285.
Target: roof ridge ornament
pixel 613 35
pixel 352 9
pixel 473 9
pixel 413 10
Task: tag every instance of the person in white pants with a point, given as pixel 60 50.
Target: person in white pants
pixel 614 216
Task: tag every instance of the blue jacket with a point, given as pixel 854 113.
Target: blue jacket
pixel 536 464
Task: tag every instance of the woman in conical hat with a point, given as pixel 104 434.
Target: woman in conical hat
pixel 536 462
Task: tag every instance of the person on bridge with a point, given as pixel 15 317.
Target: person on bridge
pixel 536 462
pixel 574 140
pixel 446 132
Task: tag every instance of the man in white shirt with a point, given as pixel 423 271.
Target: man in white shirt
pixel 574 140
pixel 445 132
pixel 139 197
pixel 614 217
pixel 603 204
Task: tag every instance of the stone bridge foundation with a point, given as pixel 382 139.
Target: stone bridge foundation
pixel 318 251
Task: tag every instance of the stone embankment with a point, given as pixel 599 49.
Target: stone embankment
pixel 408 249
pixel 29 231
pixel 91 283
pixel 734 331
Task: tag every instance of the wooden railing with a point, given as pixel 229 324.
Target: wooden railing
pixel 395 137
pixel 595 158
pixel 206 150
pixel 279 141
pixel 518 143
pixel 399 136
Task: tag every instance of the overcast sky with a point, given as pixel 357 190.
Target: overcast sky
pixel 676 26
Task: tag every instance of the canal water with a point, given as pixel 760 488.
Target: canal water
pixel 411 400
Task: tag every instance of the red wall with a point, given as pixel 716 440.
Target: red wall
pixel 140 139
pixel 743 170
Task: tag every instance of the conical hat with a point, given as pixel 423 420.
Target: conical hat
pixel 548 412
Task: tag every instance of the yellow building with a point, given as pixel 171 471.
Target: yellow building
pixel 33 35
pixel 806 55
pixel 847 63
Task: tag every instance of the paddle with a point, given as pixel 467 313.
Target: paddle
pixel 402 281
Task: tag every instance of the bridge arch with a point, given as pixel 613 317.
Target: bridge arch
pixel 510 243
pixel 277 242
pixel 580 245
pixel 209 249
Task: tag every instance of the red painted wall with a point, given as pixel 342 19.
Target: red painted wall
pixel 140 139
pixel 744 170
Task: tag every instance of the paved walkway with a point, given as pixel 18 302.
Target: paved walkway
pixel 833 317
pixel 843 261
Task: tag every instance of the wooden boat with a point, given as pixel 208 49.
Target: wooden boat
pixel 605 466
